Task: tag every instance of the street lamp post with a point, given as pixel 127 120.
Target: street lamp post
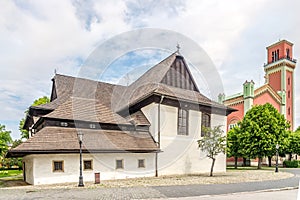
pixel 80 136
pixel 277 147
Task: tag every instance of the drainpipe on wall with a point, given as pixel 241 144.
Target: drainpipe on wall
pixel 158 135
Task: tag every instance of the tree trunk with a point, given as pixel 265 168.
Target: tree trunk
pixel 270 159
pixel 235 162
pixel 244 162
pixel 290 157
pixel 259 163
pixel 212 167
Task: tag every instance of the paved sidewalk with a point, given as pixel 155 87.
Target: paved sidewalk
pixel 178 191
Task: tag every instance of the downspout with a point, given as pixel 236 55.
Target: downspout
pixel 158 135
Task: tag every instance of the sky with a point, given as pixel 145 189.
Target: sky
pixel 38 37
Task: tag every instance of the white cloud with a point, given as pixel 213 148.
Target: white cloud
pixel 37 37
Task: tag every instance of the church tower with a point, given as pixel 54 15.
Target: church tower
pixel 280 75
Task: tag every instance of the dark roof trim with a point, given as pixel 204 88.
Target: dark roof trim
pixel 168 100
pixel 15 153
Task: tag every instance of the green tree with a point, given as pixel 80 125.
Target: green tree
pixel 213 143
pixel 262 128
pixel 40 101
pixel 294 144
pixel 233 144
pixel 9 162
pixel 5 140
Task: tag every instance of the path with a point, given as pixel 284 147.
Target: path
pixel 149 192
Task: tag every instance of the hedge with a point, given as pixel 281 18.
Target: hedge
pixel 290 163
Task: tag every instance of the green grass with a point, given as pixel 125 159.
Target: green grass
pixel 10 173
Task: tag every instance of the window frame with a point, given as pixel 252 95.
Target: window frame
pixel 203 123
pixel 122 163
pixel 62 166
pixel 143 163
pixel 87 169
pixel 180 122
pixel 64 124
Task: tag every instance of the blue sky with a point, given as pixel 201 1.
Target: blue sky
pixel 37 37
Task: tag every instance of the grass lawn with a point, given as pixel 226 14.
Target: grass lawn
pixel 10 173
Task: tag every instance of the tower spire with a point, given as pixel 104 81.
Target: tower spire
pixel 178 47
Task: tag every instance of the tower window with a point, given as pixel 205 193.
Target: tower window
pixel 288 53
pixel 289 81
pixel 277 54
pixel 273 56
pixel 289 111
pixel 289 94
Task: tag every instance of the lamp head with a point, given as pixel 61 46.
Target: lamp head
pixel 80 136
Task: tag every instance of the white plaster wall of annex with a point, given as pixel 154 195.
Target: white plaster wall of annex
pixel 29 168
pixel 216 120
pixel 103 163
pixel 180 153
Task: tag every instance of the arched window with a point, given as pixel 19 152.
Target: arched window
pixel 288 53
pixel 205 122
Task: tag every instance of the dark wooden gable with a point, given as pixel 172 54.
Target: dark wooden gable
pixel 179 75
pixel 53 92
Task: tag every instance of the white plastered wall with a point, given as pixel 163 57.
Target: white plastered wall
pixel 39 168
pixel 180 153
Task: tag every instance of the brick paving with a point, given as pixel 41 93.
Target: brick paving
pixel 147 192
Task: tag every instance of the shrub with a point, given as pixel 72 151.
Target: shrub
pixel 290 163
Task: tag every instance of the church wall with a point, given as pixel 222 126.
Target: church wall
pixel 289 96
pixel 29 168
pixel 274 80
pixel 104 163
pixel 233 117
pixel 180 153
pixel 266 98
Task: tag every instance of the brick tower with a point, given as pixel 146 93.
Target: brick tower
pixel 279 74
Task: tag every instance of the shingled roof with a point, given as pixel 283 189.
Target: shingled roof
pixel 81 99
pixel 84 109
pixel 64 140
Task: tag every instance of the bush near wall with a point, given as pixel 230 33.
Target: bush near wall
pixel 290 163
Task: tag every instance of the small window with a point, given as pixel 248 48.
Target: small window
pixel 182 122
pixel 289 111
pixel 288 53
pixel 58 166
pixel 92 125
pixel 119 164
pixel 205 121
pixel 64 124
pixel 87 165
pixel 289 81
pixel 289 94
pixel 141 163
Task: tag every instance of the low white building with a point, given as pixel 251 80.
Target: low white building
pixel 148 128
